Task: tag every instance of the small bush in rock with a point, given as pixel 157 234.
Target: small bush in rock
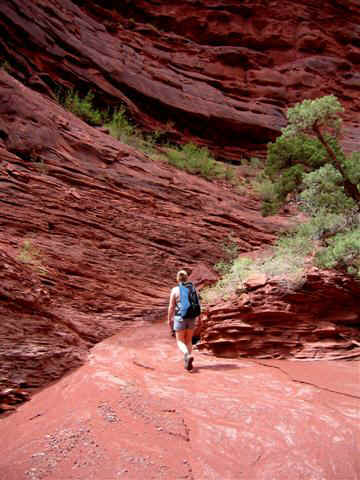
pixel 83 107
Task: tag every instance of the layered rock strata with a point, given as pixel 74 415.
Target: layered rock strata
pixel 319 320
pixel 99 230
pixel 221 73
pixel 36 346
pixel 91 231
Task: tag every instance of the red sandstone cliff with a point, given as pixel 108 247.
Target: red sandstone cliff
pixel 267 319
pixel 107 228
pixel 220 72
pixel 92 234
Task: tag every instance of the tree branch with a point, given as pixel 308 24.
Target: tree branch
pixel 349 187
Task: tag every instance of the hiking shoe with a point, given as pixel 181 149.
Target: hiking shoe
pixel 186 361
pixel 190 362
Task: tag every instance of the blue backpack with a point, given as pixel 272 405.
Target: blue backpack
pixel 189 301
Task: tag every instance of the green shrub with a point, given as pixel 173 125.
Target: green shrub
pixel 351 164
pixel 307 164
pixel 343 251
pixel 31 256
pixel 231 252
pixel 83 107
pixel 264 187
pixel 176 157
pixel 241 269
pixel 199 161
pixel 323 191
pixel 233 276
pixel 256 162
pixel 120 127
pixel 297 243
pixel 222 267
pixel 311 115
pixel 286 263
pixel 306 145
pixel 190 157
pixel 117 123
pixel 230 175
pixel 231 248
pixel 193 159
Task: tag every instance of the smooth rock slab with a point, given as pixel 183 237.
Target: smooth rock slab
pixel 133 412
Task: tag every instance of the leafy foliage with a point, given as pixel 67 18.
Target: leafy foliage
pixel 306 163
pixel 343 251
pixel 198 160
pixel 231 252
pixel 190 157
pixel 308 143
pixel 323 191
pixel 119 125
pixel 288 151
pixel 320 113
pixel 286 264
pixel 193 159
pixel 352 167
pixel 83 107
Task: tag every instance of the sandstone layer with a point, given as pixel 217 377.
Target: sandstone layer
pixel 267 319
pixel 92 233
pixel 132 412
pixel 221 73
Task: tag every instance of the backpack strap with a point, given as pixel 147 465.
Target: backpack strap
pixel 184 299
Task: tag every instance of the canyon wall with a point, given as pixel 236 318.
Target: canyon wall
pixel 318 320
pixel 220 73
pixel 92 231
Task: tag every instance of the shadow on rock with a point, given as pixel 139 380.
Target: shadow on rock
pixel 218 366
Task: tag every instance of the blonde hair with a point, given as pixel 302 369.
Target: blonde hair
pixel 182 276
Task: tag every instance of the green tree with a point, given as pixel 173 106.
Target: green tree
pixel 309 142
pixel 321 118
pixel 307 163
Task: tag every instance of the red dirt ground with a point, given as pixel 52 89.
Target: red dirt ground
pixel 132 412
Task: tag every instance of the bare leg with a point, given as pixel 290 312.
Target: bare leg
pixel 181 341
pixel 188 339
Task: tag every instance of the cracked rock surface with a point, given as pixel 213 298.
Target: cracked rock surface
pixel 133 412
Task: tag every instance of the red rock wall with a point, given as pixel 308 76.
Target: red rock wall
pixel 320 320
pixel 218 72
pixel 112 227
pixel 36 346
pixel 107 227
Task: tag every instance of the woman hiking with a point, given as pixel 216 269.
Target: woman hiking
pixel 184 327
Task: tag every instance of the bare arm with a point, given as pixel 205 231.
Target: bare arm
pixel 171 309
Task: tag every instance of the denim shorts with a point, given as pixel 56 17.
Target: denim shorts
pixel 183 323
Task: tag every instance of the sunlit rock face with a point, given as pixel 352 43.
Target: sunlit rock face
pixel 221 73
pixel 120 414
pixel 267 319
pixel 92 233
pixel 107 228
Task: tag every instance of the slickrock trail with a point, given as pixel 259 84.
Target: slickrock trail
pixel 132 412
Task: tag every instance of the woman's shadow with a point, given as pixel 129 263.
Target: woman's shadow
pixel 218 366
